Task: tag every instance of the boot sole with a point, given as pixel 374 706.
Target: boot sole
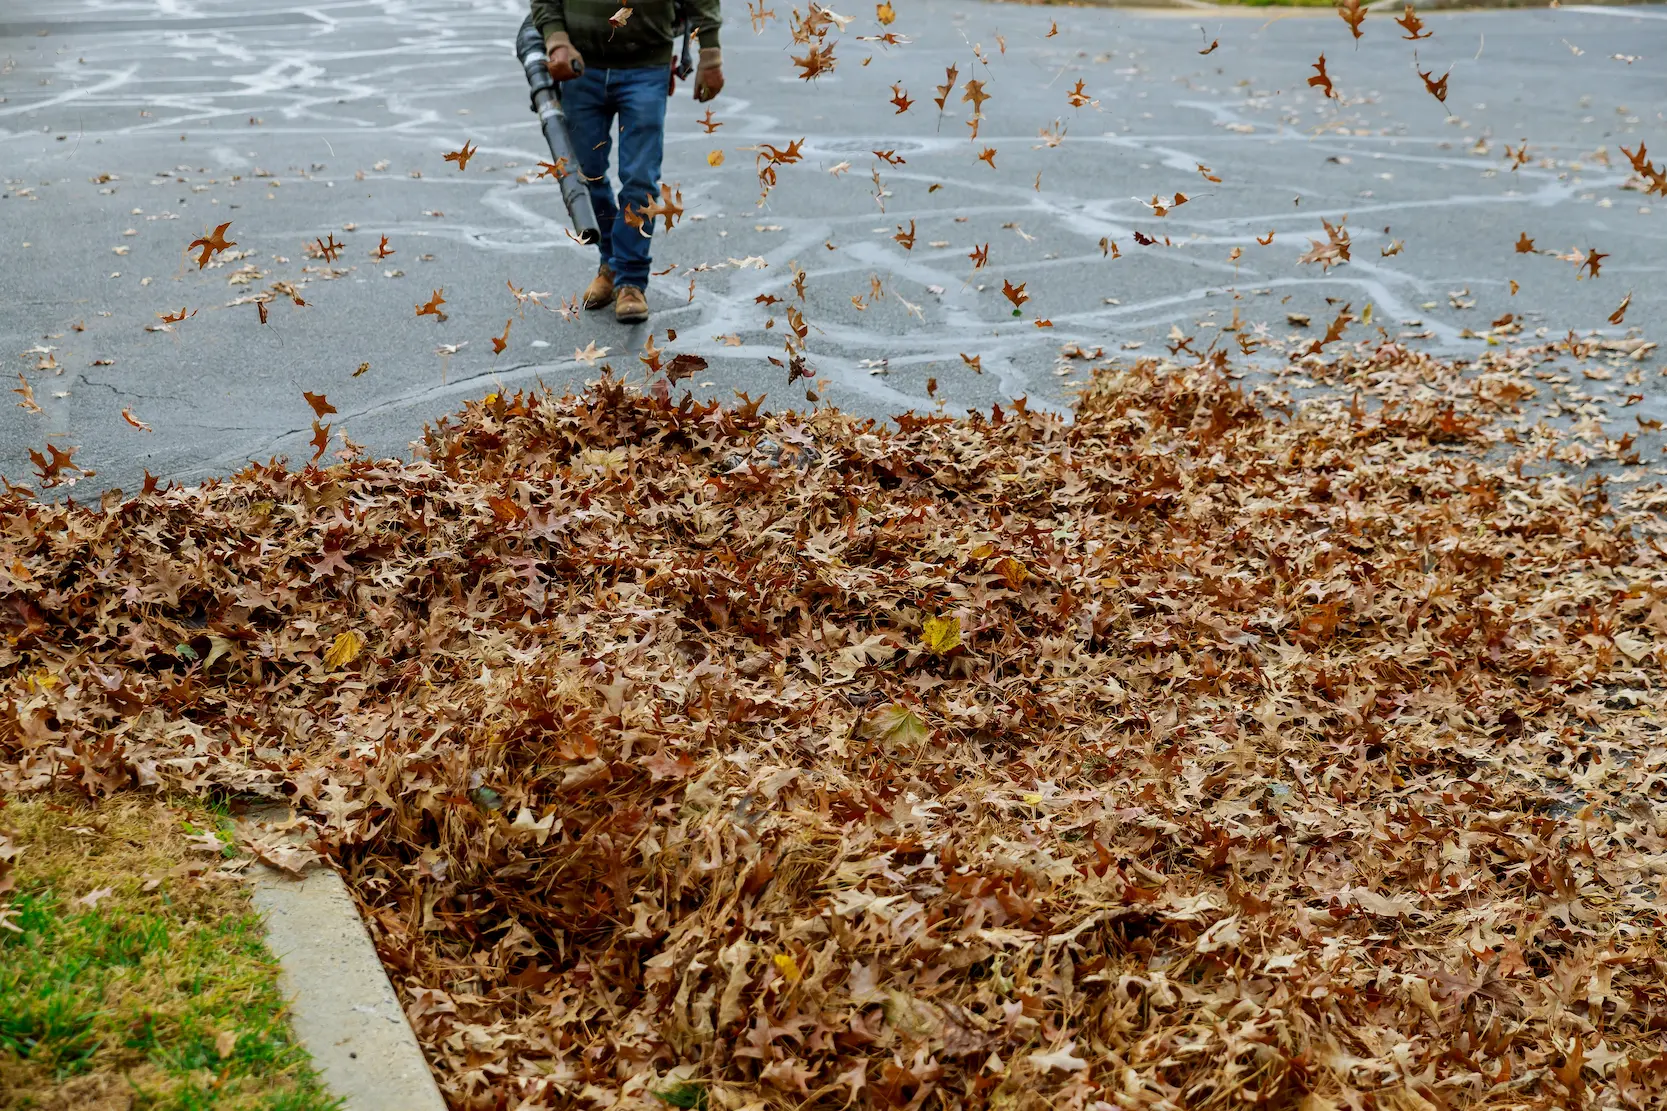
pixel 592 307
pixel 631 318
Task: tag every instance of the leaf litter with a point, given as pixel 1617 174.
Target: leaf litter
pixel 1195 750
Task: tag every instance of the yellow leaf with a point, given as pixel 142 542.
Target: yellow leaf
pixel 788 966
pixel 1012 572
pixel 344 651
pixel 716 158
pixel 884 13
pixel 940 634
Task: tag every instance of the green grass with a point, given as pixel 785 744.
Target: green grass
pixel 164 999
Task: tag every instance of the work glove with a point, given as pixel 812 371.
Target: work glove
pixel 565 62
pixel 709 73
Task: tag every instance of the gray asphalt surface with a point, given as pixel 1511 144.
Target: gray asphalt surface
pixel 297 123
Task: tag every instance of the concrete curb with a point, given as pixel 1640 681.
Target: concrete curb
pixel 343 1007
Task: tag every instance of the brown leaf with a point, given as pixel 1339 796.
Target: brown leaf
pixel 461 156
pixel 212 244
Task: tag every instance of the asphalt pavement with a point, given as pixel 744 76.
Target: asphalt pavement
pixel 128 128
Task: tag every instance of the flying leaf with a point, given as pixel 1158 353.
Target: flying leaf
pixel 946 88
pixel 321 405
pixel 900 98
pixel 906 238
pixel 715 158
pixel 709 123
pixel 884 13
pixel 1353 14
pixel 1077 97
pixel 1014 293
pixel 344 650
pixel 1208 174
pixel 1322 80
pixel 432 306
pixel 461 157
pixel 1593 258
pixel 382 249
pixel 1264 241
pixel 1620 312
pixel 1437 89
pixel 974 361
pixel 326 251
pixel 683 366
pixel 320 440
pixel 1331 252
pixel 1414 26
pixel 362 368
pixel 589 353
pixel 127 415
pixel 1211 49
pixel 1525 246
pixel 980 256
pixel 50 472
pixel 988 154
pixel 212 244
pixel 175 317
pixel 669 207
pixel 501 342
pixel 619 18
pixel 816 61
pixel 556 169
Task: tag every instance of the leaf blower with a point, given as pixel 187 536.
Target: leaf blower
pixel 546 101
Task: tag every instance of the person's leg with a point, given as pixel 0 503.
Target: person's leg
pixel 639 96
pixel 589 108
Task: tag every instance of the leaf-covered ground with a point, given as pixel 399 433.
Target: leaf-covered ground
pixel 1196 753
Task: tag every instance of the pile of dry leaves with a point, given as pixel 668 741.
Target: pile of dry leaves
pixel 1190 754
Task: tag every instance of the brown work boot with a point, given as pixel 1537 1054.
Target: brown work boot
pixel 630 306
pixel 600 291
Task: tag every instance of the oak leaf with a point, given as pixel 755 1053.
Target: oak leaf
pixel 1436 88
pixel 1414 26
pixel 1322 80
pixel 432 306
pixel 462 156
pixel 212 244
pixel 1353 14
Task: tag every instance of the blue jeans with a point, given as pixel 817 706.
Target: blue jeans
pixel 638 98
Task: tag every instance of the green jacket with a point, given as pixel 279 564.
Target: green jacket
pixel 646 39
